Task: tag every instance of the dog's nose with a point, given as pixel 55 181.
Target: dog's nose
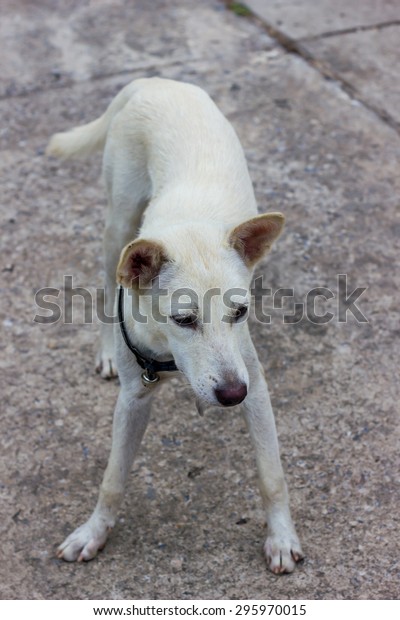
pixel 231 394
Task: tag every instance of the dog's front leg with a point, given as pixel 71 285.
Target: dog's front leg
pixel 130 421
pixel 282 547
pixel 115 237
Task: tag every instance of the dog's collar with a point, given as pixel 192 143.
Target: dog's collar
pixel 151 366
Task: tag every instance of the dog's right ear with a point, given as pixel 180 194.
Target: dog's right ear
pixel 140 263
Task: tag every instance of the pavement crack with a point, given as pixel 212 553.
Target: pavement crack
pixel 298 47
pixel 70 82
pixel 352 30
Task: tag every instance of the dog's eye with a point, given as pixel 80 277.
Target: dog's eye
pixel 185 320
pixel 239 313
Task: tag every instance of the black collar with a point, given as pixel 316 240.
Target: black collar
pixel 151 366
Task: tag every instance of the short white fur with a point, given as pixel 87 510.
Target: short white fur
pixel 181 207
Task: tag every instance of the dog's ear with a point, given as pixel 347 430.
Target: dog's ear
pixel 140 262
pixel 254 238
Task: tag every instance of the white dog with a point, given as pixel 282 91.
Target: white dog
pixel 182 213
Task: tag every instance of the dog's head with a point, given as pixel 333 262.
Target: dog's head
pixel 192 286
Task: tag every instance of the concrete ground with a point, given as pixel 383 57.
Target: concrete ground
pixel 314 96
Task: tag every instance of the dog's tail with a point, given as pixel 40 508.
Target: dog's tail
pixel 85 140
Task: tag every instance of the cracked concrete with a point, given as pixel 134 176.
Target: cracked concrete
pixel 191 524
pixel 352 30
pixel 356 44
pixel 304 18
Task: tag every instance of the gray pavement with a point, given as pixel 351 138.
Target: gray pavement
pixel 325 152
pixel 353 41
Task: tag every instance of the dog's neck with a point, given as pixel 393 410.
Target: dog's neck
pixel 146 360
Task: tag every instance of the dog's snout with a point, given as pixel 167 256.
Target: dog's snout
pixel 231 394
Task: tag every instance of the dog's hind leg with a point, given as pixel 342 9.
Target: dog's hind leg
pixel 130 421
pixel 282 547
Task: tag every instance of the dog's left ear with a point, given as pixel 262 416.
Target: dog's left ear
pixel 254 238
pixel 140 263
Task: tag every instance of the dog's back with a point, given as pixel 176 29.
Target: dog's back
pixel 165 137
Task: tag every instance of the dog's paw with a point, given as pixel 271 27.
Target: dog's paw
pixel 106 365
pixel 282 553
pixel 84 543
